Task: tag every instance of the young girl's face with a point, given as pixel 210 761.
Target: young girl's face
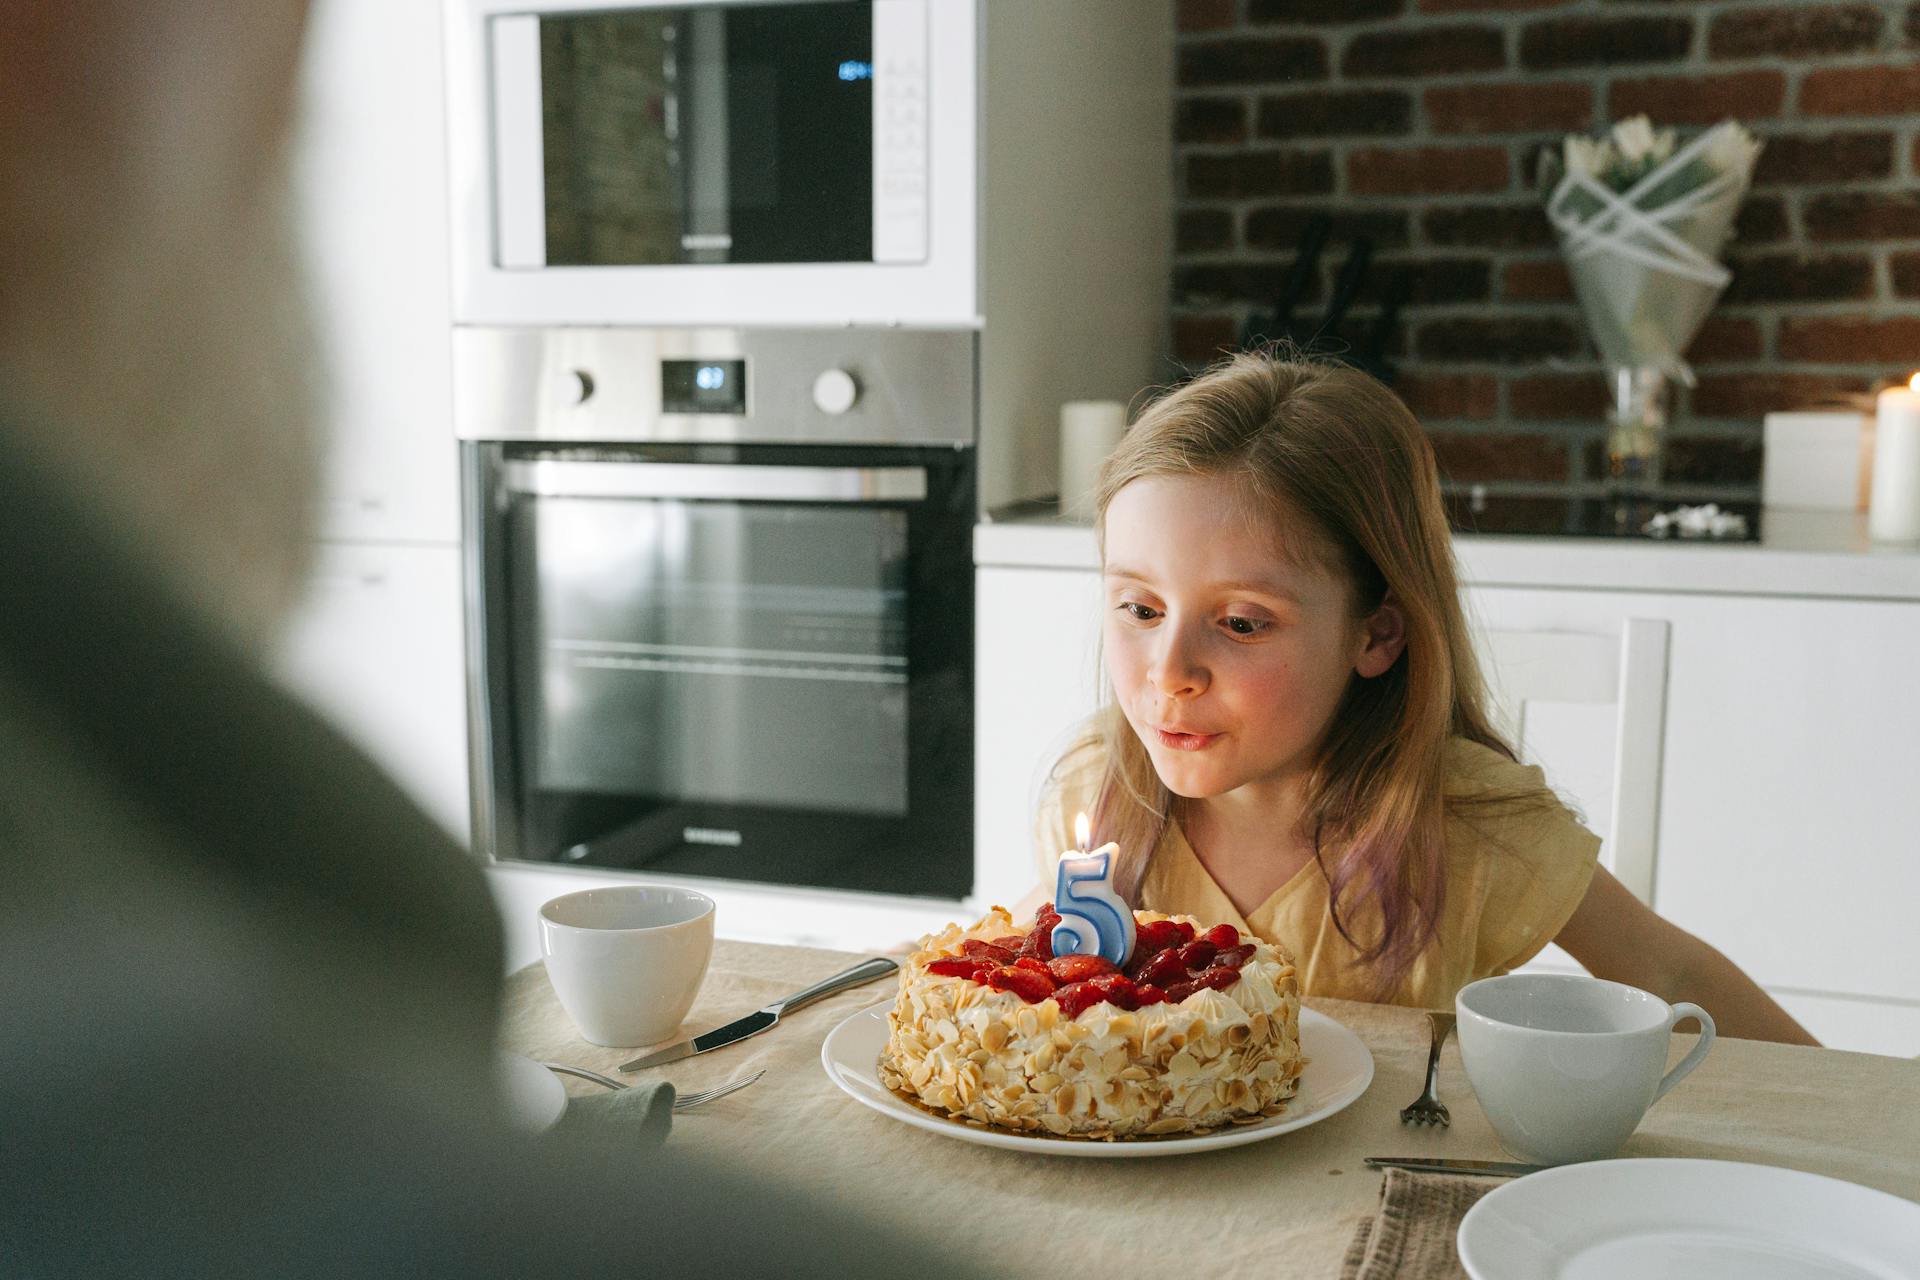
pixel 1228 655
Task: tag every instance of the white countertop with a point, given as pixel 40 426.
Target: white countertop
pixel 1802 553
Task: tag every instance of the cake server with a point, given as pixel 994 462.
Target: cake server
pixel 760 1020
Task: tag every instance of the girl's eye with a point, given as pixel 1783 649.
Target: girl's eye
pixel 1139 612
pixel 1246 626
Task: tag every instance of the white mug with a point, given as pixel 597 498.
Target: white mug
pixel 627 962
pixel 1565 1066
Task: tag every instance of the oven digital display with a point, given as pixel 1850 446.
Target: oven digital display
pixel 703 386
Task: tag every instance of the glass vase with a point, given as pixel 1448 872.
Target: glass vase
pixel 1636 431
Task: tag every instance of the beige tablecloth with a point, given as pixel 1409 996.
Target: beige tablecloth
pixel 1287 1205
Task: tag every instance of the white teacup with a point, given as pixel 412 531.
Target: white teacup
pixel 627 962
pixel 1565 1066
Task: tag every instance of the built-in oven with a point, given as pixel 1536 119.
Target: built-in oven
pixel 722 161
pixel 720 608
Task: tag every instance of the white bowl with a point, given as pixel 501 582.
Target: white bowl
pixel 627 962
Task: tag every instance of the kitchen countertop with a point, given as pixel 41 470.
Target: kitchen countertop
pixel 1800 553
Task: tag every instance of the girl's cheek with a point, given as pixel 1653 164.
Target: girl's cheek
pixel 1122 661
pixel 1274 681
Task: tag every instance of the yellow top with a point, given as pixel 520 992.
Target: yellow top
pixel 1515 873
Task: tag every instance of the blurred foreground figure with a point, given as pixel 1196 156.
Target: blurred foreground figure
pixel 248 991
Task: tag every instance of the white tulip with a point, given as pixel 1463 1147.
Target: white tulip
pixel 1585 156
pixel 1731 149
pixel 1635 139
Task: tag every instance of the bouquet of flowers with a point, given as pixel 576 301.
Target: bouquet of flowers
pixel 1641 223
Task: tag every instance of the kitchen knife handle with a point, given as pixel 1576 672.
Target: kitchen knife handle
pixel 865 971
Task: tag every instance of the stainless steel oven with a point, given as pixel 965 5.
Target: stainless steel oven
pixel 720 602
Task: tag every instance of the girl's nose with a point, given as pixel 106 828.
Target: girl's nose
pixel 1175 669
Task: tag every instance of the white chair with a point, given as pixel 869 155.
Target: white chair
pixel 1627 670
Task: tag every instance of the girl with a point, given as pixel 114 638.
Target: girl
pixel 1299 742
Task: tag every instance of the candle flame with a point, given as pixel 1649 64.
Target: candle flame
pixel 1082 829
pixel 1914 382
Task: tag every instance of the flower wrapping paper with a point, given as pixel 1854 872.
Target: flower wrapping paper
pixel 1641 225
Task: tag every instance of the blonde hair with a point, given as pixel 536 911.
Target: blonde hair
pixel 1338 458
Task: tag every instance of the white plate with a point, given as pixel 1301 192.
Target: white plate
pixel 1338 1070
pixel 535 1097
pixel 1698 1219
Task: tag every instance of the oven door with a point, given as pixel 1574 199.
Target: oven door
pixel 749 664
pixel 712 155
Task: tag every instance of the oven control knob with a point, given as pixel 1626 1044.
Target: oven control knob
pixel 580 387
pixel 835 391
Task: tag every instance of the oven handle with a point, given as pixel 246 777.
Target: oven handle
pixel 561 478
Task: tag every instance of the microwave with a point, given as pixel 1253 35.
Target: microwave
pixel 645 162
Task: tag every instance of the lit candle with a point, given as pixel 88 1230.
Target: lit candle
pixel 1093 919
pixel 1893 515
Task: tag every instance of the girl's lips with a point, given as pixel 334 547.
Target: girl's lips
pixel 1185 741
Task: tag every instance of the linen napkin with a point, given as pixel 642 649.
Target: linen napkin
pixel 639 1115
pixel 1412 1236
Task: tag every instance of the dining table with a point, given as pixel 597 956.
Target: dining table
pixel 1288 1205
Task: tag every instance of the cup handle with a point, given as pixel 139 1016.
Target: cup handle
pixel 1692 1060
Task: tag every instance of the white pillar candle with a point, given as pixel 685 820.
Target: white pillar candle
pixel 1893 514
pixel 1089 429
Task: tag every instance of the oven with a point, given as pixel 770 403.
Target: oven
pixel 720 617
pixel 722 161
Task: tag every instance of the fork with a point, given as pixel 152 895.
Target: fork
pixel 1427 1108
pixel 682 1102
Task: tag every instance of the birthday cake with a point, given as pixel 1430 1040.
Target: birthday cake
pixel 1198 1029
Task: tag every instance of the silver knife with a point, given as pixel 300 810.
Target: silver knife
pixel 754 1023
pixel 1434 1164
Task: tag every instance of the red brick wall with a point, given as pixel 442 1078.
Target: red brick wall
pixel 1419 122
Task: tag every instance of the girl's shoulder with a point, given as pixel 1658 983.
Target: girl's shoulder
pixel 1073 783
pixel 1499 807
pixel 1070 787
pixel 1520 857
pixel 1475 771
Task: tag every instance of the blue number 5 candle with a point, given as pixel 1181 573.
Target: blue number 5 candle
pixel 1093 919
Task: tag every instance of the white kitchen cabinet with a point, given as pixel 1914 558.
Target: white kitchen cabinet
pixel 1860 1025
pixel 377 647
pixel 1036 678
pixel 371 208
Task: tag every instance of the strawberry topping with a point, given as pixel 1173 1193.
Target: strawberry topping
pixel 1080 968
pixel 1025 983
pixel 986 951
pixel 1168 964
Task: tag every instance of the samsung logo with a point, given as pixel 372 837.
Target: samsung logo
pixel 710 835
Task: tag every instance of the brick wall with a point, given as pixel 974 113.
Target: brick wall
pixel 1419 122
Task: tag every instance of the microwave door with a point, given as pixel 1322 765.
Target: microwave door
pixel 701 134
